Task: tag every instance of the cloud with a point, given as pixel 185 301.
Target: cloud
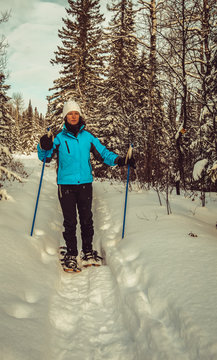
pixel 31 46
pixel 22 5
pixel 32 35
pixel 19 10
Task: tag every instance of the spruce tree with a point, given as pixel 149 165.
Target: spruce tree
pixel 5 116
pixel 29 130
pixel 123 62
pixel 9 169
pixel 121 92
pixel 205 145
pixel 156 129
pixel 212 99
pixel 17 106
pixel 80 57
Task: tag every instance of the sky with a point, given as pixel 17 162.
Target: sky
pixel 32 36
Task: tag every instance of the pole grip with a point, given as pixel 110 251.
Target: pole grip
pixel 49 132
pixel 129 153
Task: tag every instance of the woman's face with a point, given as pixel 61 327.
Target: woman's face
pixel 73 117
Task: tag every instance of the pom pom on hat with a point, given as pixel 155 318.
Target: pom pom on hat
pixel 71 105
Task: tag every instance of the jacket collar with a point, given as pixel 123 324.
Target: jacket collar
pixel 67 132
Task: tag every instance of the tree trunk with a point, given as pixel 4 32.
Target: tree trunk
pixel 152 82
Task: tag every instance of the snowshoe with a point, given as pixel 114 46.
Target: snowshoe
pixel 91 258
pixel 62 251
pixel 68 262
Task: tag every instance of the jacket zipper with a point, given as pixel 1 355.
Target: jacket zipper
pixel 67 146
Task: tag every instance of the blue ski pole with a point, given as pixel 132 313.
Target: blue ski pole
pixel 129 155
pixel 39 190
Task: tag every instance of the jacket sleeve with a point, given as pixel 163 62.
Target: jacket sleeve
pixel 102 153
pixel 49 153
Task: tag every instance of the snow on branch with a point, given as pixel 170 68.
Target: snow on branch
pixel 213 172
pixel 192 75
pixel 195 28
pixel 4 195
pixel 9 174
pixel 199 167
pixel 5 150
pixel 9 170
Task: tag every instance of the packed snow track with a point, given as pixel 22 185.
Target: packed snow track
pixel 87 320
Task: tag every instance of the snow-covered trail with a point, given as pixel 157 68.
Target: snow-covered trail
pixel 94 315
pixel 87 319
pixel 155 299
pixel 85 312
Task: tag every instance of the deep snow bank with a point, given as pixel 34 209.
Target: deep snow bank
pixel 166 276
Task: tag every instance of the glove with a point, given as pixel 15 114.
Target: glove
pixel 46 142
pixel 131 162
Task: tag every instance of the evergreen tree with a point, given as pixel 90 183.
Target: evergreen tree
pixel 37 123
pixel 6 122
pixel 81 58
pixel 205 140
pixel 41 122
pixel 212 99
pixel 141 118
pixel 29 130
pixel 48 117
pixel 123 62
pixel 9 169
pixel 156 128
pixel 185 49
pixel 122 92
pixel 205 146
pixel 17 106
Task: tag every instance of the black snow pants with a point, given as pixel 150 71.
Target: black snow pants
pixel 73 197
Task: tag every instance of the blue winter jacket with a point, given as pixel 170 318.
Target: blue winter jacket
pixel 73 156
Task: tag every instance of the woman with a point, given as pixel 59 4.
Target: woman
pixel 74 178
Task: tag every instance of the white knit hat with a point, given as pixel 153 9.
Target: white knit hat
pixel 70 105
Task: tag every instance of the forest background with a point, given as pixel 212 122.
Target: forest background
pixel 148 77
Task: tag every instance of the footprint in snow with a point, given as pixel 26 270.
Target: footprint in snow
pixel 19 310
pixel 47 256
pixel 39 232
pixel 31 297
pixel 105 226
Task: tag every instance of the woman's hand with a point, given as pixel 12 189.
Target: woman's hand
pixel 121 161
pixel 46 142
